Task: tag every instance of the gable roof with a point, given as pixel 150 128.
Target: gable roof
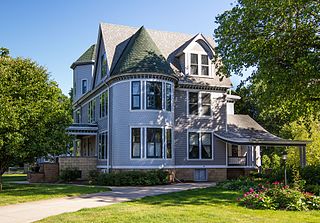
pixel 141 54
pixel 87 57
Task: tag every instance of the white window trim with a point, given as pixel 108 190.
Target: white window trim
pixel 143 146
pixel 200 105
pixel 84 79
pixel 199 53
pixel 106 145
pixel 143 96
pixel 200 149
pixel 141 142
pixel 106 107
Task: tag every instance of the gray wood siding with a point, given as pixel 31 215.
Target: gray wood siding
pixel 82 72
pixel 183 123
pixel 121 118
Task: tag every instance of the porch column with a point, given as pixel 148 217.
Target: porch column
pixel 303 161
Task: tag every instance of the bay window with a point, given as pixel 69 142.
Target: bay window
pixel 92 111
pixel 135 95
pixel 168 97
pixel 103 104
pixel 168 143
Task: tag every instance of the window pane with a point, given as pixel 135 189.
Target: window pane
pixel 136 142
pixel 206 98
pixel 206 146
pixel 135 95
pixel 168 97
pixel 205 70
pixel 154 143
pixel 84 86
pixel 204 59
pixel 206 110
pixel 193 145
pixel 154 95
pixel 194 70
pixel 135 87
pixel 194 58
pixel 193 97
pixel 169 143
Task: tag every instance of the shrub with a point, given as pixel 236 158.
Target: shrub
pixel 130 178
pixel 279 197
pixel 70 174
pixel 311 174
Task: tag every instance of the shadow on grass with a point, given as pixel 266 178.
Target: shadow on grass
pixel 207 196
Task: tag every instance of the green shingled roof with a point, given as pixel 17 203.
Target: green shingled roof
pixel 141 55
pixel 87 56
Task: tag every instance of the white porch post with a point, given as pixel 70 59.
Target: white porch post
pixel 303 161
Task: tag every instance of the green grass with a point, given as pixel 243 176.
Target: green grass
pixel 201 205
pixel 19 193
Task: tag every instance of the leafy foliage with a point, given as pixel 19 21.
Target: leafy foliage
pixel 130 178
pixel 33 112
pixel 280 39
pixel 70 174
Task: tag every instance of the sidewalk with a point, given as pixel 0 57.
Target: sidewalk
pixel 33 211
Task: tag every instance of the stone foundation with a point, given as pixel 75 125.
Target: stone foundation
pixel 213 175
pixel 84 164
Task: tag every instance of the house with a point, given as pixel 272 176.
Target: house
pixel 147 99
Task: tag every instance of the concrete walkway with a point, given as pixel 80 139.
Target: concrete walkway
pixel 33 211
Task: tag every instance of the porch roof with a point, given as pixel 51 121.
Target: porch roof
pixel 82 129
pixel 243 130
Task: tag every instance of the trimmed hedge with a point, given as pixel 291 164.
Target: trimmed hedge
pixel 129 178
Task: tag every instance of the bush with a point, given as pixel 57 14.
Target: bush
pixel 279 197
pixel 315 189
pixel 70 174
pixel 311 174
pixel 129 178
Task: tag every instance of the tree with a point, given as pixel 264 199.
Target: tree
pixel 33 113
pixel 281 40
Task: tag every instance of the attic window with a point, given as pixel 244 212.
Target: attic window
pixel 194 64
pixel 199 64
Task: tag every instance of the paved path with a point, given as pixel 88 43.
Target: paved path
pixel 33 211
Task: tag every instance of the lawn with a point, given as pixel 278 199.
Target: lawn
pixel 201 205
pixel 18 193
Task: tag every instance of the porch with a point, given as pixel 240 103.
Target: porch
pixel 244 138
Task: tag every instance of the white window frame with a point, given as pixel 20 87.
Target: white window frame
pixel 199 143
pixel 141 142
pixel 130 95
pixel 200 115
pixel 106 101
pixel 106 142
pixel 84 79
pixel 143 137
pixel 199 64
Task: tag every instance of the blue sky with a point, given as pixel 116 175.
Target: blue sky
pixel 55 33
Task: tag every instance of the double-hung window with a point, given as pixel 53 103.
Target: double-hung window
pixel 200 145
pixel 92 111
pixel 103 145
pixel 199 103
pixel 103 104
pixel 84 86
pixel 154 143
pixel 136 143
pixel 154 95
pixel 194 64
pixel 204 65
pixel 135 95
pixel 77 118
pixel 193 103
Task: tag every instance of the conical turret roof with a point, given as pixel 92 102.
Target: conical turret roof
pixel 141 55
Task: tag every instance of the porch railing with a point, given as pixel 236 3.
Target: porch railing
pixel 237 160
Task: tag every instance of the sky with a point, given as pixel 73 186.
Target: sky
pixel 55 33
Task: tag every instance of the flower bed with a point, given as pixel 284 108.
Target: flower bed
pixel 276 196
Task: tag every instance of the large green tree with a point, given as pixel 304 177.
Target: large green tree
pixel 281 41
pixel 33 112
